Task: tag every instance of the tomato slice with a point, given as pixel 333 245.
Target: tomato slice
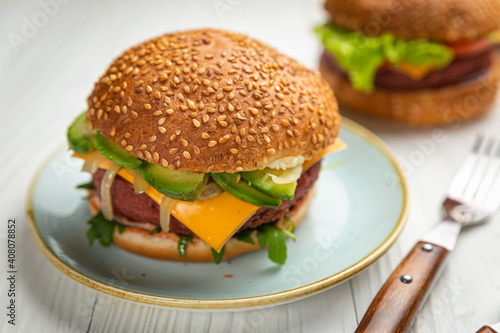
pixel 470 49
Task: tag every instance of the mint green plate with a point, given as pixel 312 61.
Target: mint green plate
pixel 359 211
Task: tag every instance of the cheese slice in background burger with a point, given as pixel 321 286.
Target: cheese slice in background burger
pixel 420 62
pixel 203 145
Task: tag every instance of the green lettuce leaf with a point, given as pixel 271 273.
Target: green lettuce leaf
pixel 361 56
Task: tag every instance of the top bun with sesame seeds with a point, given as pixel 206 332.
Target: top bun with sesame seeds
pixel 213 101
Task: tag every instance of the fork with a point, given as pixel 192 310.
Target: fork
pixel 473 197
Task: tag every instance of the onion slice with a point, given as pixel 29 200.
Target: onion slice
pixel 166 206
pixel 211 190
pixel 92 162
pixel 140 184
pixel 287 176
pixel 107 181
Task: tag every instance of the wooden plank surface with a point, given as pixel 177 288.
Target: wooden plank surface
pixel 44 82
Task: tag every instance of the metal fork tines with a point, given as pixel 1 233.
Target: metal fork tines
pixel 475 190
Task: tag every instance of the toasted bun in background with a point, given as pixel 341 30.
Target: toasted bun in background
pixel 420 107
pixel 212 101
pixel 161 245
pixel 443 20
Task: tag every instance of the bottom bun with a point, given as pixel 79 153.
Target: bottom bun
pixel 162 245
pixel 420 107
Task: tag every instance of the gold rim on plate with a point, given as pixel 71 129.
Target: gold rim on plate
pixel 234 303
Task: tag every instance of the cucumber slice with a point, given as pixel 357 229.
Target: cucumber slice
pixel 80 137
pixel 243 191
pixel 116 154
pixel 265 184
pixel 177 184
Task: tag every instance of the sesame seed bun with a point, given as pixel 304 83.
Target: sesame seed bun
pixel 444 20
pixel 163 245
pixel 420 107
pixel 212 101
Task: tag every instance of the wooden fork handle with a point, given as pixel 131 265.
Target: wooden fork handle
pixel 401 297
pixel 486 329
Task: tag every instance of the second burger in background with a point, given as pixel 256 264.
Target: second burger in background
pixel 419 62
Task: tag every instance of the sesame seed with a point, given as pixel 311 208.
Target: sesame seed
pixel 162 129
pixel 173 151
pixel 206 82
pixel 186 154
pixel 219 96
pixel 264 130
pixel 184 143
pixel 212 143
pixel 147 106
pixel 113 131
pixel 233 151
pixel 197 150
pixel 205 135
pixel 271 151
pixel 149 89
pixel 196 123
pixel 164 162
pixel 143 146
pixel 156 156
pixel 191 104
pixel 268 140
pixel 99 113
pixel 285 123
pixel 157 94
pixel 275 127
pixel 187 90
pixel 170 111
pixel 152 138
pixel 117 108
pixel 157 113
pixel 173 137
pixel 230 95
pixel 161 121
pixel 254 111
pixel 206 117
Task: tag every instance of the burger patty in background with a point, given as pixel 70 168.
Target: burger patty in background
pixel 142 209
pixel 459 71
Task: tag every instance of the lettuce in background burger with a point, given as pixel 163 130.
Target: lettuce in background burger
pixel 203 145
pixel 419 62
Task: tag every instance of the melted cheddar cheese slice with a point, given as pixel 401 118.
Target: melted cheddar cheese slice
pixel 213 220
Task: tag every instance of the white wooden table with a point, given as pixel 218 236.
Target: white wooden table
pixel 50 54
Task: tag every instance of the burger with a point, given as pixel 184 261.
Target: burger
pixel 418 62
pixel 203 145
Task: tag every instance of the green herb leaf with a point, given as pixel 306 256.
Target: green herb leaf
pixel 154 231
pixel 277 245
pixel 261 238
pixel 218 255
pixel 361 55
pixel 289 234
pixel 101 229
pixel 87 186
pixel 121 228
pixel 182 244
pixel 245 236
